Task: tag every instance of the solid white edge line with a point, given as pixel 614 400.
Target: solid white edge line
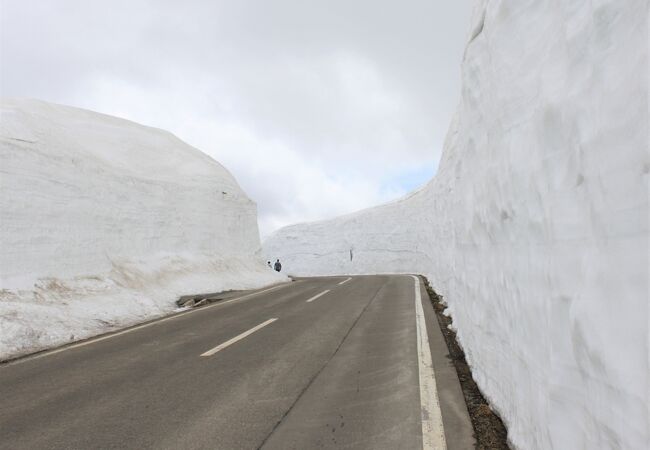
pixel 135 328
pixel 317 296
pixel 238 338
pixel 345 281
pixel 433 433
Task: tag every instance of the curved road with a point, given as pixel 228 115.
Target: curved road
pixel 335 362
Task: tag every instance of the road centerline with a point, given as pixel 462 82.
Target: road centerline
pixel 318 296
pixel 433 433
pixel 238 338
pixel 345 281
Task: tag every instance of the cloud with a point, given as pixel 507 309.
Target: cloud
pixel 317 107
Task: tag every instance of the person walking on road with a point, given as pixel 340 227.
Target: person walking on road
pixel 268 263
pixel 277 266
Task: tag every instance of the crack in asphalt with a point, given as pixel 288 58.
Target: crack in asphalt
pixel 311 381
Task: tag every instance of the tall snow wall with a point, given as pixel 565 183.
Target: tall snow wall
pixel 105 223
pixel 535 228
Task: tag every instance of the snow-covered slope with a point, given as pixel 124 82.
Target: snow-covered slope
pixel 535 228
pixel 105 222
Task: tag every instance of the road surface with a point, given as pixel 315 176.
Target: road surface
pixel 333 362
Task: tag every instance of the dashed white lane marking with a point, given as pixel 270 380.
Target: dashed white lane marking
pixel 345 281
pixel 317 296
pixel 238 338
pixel 139 327
pixel 433 433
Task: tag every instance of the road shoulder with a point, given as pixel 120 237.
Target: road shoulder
pixel 459 432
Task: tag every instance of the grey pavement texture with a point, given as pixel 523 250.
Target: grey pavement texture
pixel 338 372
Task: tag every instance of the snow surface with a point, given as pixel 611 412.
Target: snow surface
pixel 535 228
pixel 105 223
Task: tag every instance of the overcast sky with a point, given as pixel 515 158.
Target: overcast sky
pixel 318 108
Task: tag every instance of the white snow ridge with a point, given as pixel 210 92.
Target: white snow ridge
pixel 104 223
pixel 535 229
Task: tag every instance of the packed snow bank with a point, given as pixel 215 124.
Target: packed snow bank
pixel 391 238
pixel 535 228
pixel 105 223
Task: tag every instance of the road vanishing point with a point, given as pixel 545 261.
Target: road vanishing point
pixel 327 362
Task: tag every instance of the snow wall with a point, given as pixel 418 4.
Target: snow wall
pixel 105 223
pixel 535 228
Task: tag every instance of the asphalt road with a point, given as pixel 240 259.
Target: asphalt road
pixel 293 367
